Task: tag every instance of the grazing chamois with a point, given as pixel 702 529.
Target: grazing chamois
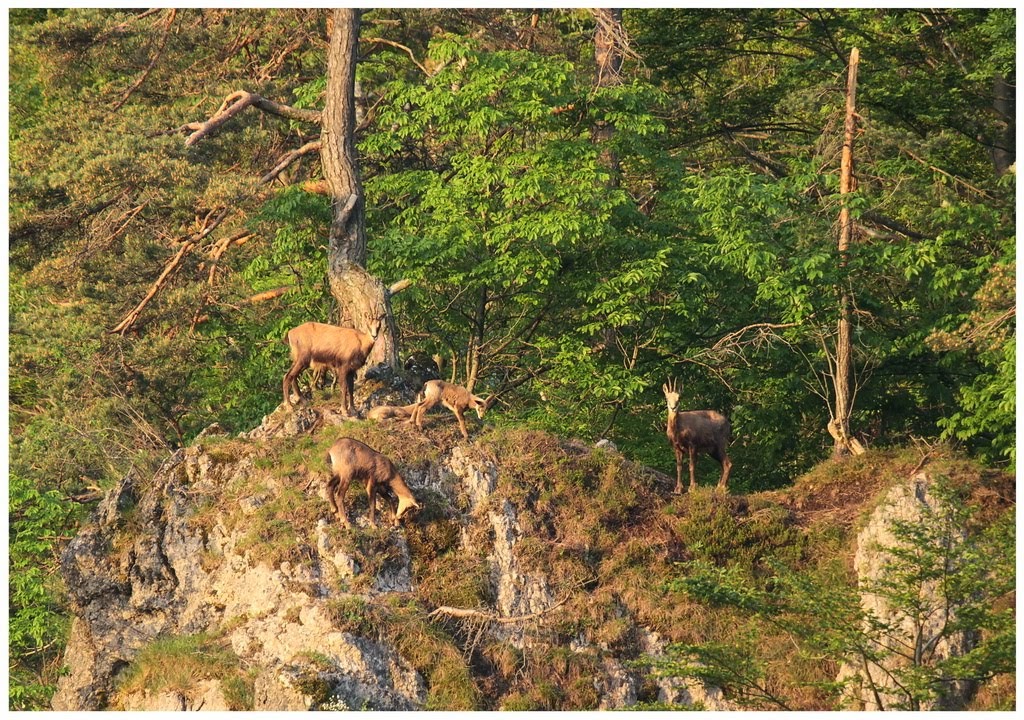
pixel 696 431
pixel 343 350
pixel 391 412
pixel 454 397
pixel 351 460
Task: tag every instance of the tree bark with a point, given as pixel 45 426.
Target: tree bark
pixel 1004 153
pixel 608 53
pixel 839 427
pixel 362 299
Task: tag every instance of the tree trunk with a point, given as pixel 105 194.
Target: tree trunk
pixel 1004 153
pixel 839 427
pixel 609 38
pixel 362 299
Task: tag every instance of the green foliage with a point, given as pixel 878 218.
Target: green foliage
pixel 944 561
pixel 37 623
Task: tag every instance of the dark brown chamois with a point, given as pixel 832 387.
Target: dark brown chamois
pixel 696 431
pixel 343 350
pixel 352 460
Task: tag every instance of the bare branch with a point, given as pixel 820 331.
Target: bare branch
pixel 392 43
pixel 399 286
pixel 152 63
pixel 238 101
pixel 267 295
pixel 467 613
pixel 209 224
pixel 289 158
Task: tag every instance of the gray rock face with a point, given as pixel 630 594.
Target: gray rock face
pixel 138 573
pixel 144 569
pixel 871 686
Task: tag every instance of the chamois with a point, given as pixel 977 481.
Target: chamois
pixel 454 397
pixel 696 431
pixel 351 460
pixel 343 350
pixel 391 412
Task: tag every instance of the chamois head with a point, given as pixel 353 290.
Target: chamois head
pixel 374 328
pixel 671 395
pixel 480 405
pixel 405 504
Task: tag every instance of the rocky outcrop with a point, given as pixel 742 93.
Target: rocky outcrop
pixel 873 684
pixel 162 560
pixel 143 571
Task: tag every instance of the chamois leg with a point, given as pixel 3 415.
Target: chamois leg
pixel 347 391
pixel 337 498
pixel 679 472
pixel 726 467
pixel 693 463
pixel 392 502
pixel 420 411
pixel 291 380
pixel 462 422
pixel 371 493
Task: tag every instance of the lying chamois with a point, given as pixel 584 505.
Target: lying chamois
pixel 391 412
pixel 696 431
pixel 351 460
pixel 343 350
pixel 454 397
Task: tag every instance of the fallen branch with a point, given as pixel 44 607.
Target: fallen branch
pixel 316 187
pixel 152 63
pixel 222 247
pixel 267 295
pixel 238 101
pixel 289 158
pixel 399 286
pixel 468 613
pixel 209 224
pixel 169 269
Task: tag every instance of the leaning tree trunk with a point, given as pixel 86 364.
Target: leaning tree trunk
pixel 362 299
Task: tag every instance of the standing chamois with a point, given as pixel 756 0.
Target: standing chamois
pixel 351 460
pixel 696 431
pixel 343 350
pixel 454 397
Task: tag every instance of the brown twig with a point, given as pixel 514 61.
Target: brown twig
pixel 952 177
pixel 468 613
pixel 289 158
pixel 267 295
pixel 408 51
pixel 152 63
pixel 209 224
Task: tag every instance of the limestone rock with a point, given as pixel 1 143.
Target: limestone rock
pixel 907 503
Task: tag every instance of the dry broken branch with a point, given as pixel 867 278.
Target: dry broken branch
pixel 267 295
pixel 238 101
pixel 289 158
pixel 210 223
pixel 407 51
pixel 399 286
pixel 152 63
pixel 470 614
